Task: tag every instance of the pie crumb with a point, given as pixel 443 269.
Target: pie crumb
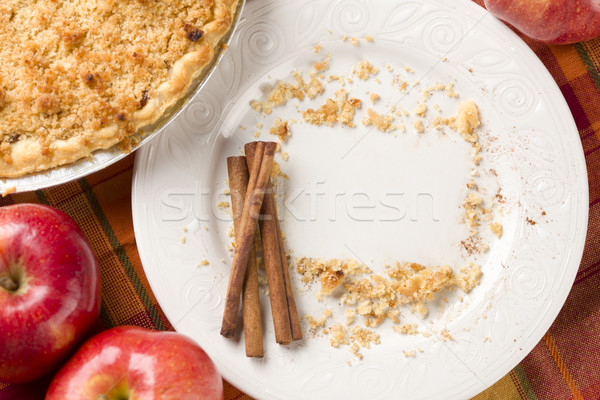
pixel 496 228
pixel 381 122
pixel 9 190
pixel 202 263
pixel 418 125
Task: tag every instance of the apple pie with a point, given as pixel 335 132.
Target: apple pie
pixel 81 75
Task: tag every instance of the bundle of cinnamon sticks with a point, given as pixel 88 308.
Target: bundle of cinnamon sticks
pixel 253 204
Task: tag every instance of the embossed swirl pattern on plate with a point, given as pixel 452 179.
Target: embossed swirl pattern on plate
pixel 371 382
pixel 264 43
pixel 443 34
pixel 401 18
pixel 528 280
pixel 201 116
pixel 204 296
pixel 463 354
pixel 350 16
pixel 548 187
pixel 229 73
pixel 180 150
pixel 490 61
pixel 515 96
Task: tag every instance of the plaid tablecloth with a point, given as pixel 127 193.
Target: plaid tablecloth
pixel 565 364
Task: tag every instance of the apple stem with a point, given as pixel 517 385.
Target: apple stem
pixel 7 283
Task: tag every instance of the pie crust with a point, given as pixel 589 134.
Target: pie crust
pixel 81 75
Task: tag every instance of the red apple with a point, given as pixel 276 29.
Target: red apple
pixel 550 21
pixel 49 290
pixel 134 363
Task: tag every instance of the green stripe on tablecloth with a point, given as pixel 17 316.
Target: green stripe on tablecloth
pixel 104 316
pixel 121 254
pixel 520 374
pixel 589 64
pixel 42 198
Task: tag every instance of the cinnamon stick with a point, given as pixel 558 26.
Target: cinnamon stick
pixel 289 290
pixel 259 177
pixel 253 334
pixel 283 305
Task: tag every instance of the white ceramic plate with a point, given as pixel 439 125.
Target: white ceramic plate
pixel 376 197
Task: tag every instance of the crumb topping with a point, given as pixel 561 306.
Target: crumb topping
pixel 381 122
pixel 76 67
pixel 280 129
pixel 339 109
pixel 364 70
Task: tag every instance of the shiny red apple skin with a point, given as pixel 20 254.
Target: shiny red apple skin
pixel 129 362
pixel 58 301
pixel 550 21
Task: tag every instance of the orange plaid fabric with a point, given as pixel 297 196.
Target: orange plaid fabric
pixel 564 365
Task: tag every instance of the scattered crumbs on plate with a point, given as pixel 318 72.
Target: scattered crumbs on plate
pixel 337 335
pixel 364 70
pixel 206 228
pixel 223 204
pixel 182 239
pixel 369 38
pixel 420 110
pixel 407 329
pixel 380 121
pixel 184 228
pixel 285 156
pixel 202 263
pixel 317 324
pixel 242 128
pixel 262 280
pixel 418 125
pixel 344 38
pixel 226 191
pixel 446 335
pixel 496 228
pixel 354 41
pixel 410 353
pixel 280 129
